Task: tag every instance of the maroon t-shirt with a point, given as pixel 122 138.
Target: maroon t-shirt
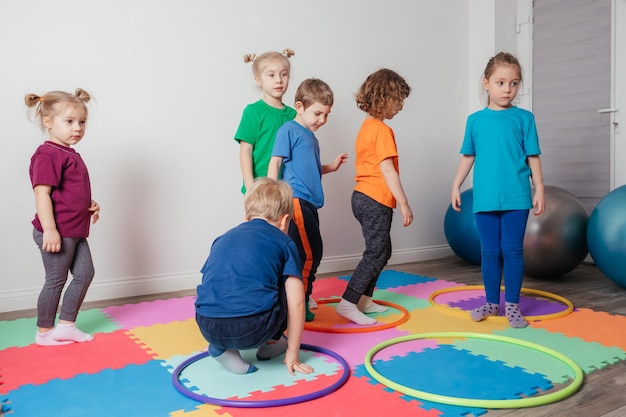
pixel 63 169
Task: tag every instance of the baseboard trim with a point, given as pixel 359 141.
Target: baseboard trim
pixel 26 299
pixel 403 256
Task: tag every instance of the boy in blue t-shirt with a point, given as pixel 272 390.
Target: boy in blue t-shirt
pixel 252 290
pixel 297 150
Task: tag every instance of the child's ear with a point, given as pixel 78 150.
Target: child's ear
pixel 46 121
pixel 299 106
pixel 284 223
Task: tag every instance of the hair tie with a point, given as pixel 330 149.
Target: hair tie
pixel 41 99
pixel 249 58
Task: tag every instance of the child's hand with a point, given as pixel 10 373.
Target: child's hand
pixel 51 241
pixel 340 160
pixel 456 200
pixel 407 215
pixel 293 364
pixel 95 211
pixel 539 202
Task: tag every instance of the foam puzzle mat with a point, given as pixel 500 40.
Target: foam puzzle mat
pixel 127 370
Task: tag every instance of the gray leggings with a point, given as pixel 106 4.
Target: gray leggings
pixel 375 219
pixel 74 257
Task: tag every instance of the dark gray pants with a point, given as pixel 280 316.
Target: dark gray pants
pixel 375 219
pixel 74 257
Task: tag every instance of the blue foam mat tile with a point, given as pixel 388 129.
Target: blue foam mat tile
pixel 435 370
pixel 446 409
pixel 136 390
pixel 392 279
pixel 5 406
pixel 452 372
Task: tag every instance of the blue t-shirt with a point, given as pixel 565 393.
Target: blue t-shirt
pixel 245 269
pixel 501 141
pixel 300 151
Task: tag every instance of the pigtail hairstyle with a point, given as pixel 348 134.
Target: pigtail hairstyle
pixel 47 105
pixel 257 61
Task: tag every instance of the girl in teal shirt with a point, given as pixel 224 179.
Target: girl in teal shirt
pixel 501 144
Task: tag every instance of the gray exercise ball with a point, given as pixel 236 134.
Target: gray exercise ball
pixel 555 242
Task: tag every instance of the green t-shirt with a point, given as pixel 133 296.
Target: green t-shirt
pixel 258 127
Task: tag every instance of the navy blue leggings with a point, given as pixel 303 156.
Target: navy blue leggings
pixel 304 230
pixel 502 250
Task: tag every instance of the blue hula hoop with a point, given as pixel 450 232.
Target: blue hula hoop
pixel 265 403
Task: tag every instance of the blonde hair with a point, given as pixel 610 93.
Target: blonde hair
pixel 52 103
pixel 314 90
pixel 257 61
pixel 269 199
pixel 381 92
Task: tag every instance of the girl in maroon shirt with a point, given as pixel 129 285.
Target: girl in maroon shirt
pixel 65 210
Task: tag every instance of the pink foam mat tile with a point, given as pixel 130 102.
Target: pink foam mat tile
pixel 351 346
pixel 425 289
pixel 152 312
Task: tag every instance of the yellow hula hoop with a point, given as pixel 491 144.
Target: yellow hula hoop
pixel 465 314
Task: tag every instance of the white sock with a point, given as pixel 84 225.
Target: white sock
pixel 46 339
pixel 350 311
pixel 367 305
pixel 69 331
pixel 312 304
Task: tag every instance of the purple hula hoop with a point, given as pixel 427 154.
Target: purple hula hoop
pixel 267 403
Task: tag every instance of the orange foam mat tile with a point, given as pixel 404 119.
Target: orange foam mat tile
pixel 432 320
pixel 589 325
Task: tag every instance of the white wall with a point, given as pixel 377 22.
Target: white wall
pixel 169 84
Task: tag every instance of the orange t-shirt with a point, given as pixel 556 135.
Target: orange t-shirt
pixel 374 143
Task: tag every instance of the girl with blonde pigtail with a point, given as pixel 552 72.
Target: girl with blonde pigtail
pixel 261 119
pixel 64 211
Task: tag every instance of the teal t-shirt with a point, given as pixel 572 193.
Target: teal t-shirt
pixel 501 141
pixel 258 127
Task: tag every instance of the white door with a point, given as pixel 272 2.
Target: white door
pixel 575 80
pixel 619 118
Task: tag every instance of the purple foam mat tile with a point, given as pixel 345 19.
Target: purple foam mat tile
pixel 528 305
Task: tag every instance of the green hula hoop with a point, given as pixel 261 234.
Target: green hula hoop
pixel 471 402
